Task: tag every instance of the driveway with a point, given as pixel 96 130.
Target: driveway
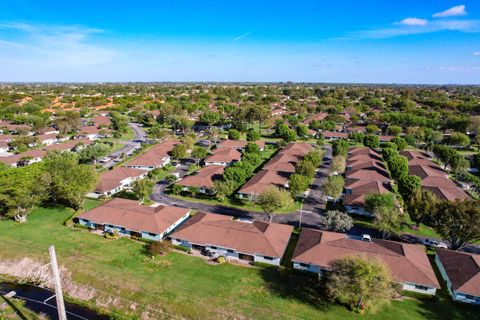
pixel 313 207
pixel 129 146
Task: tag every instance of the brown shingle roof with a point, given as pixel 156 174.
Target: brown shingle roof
pixel 319 117
pixel 270 239
pixel 333 134
pixel 360 188
pixel 226 155
pixel 407 262
pixel 205 177
pixel 434 178
pixel 463 270
pixel 112 179
pixel 154 157
pixel 132 216
pixel 263 179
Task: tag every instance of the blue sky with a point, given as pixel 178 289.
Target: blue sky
pixel 422 41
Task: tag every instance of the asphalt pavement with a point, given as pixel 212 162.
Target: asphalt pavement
pixel 129 146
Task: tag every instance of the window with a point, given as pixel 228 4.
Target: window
pixel 213 247
pixel 469 297
pixel 230 251
pixel 304 265
pixel 419 287
pixel 152 234
pixel 267 258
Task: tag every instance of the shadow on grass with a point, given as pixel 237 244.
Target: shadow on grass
pixel 15 309
pixel 299 286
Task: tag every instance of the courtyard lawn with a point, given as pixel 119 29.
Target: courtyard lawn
pixel 179 284
pixel 232 203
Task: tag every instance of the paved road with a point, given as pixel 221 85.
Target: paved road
pixel 129 146
pixel 310 216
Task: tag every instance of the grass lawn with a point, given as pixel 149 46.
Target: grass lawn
pixel 186 286
pixel 232 203
pixel 127 136
pixel 423 230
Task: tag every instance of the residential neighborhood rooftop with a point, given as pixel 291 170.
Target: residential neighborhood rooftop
pixel 258 237
pixel 407 262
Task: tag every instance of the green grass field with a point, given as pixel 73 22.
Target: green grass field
pixel 187 286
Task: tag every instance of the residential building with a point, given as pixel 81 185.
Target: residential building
pixel 239 144
pixel 365 174
pixel 408 263
pixel 461 273
pixel 157 157
pixel 203 179
pixel 116 180
pixel 333 135
pixel 128 218
pixel 276 171
pixel 254 241
pixel 434 178
pixel 223 157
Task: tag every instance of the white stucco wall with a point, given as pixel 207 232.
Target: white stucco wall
pixel 412 287
pixel 307 267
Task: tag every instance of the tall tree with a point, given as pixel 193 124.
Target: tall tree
pixel 337 221
pixel 334 186
pixel 458 222
pixel 298 184
pixel 21 190
pixel 273 199
pixel 421 206
pixel 360 282
pixel 68 180
pixel 388 220
pixel 142 189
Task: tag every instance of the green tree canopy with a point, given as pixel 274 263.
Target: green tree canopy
pixel 273 199
pixel 360 282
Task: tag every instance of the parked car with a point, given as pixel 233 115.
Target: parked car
pixel 104 159
pixel 434 243
pixel 366 237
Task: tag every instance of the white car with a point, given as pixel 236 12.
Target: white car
pixel 366 237
pixel 434 243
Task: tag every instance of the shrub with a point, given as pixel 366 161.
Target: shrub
pixel 112 234
pixel 80 226
pixel 182 248
pixel 159 248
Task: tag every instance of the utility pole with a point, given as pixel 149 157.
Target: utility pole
pixel 62 315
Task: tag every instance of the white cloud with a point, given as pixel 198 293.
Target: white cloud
pixel 54 46
pixel 410 21
pixel 452 12
pixel 241 36
pixel 476 53
pixel 466 26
